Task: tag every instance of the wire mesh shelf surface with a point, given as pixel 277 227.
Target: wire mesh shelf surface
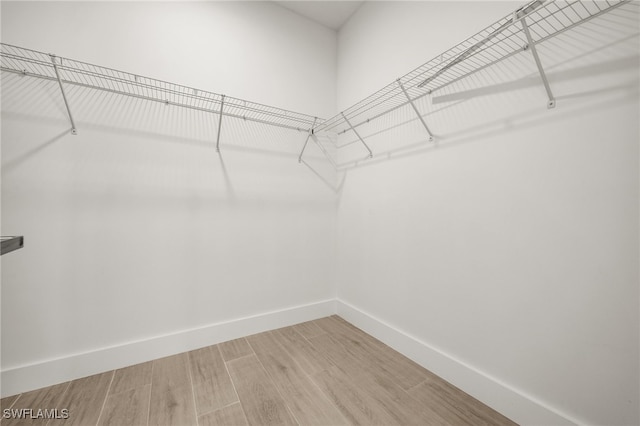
pixel 504 38
pixel 38 64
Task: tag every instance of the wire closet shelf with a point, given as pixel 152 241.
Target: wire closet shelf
pixel 528 26
pixel 38 64
pixel 532 24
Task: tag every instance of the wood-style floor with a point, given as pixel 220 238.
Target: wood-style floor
pixel 323 372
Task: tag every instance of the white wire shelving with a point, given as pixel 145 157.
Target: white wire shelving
pixel 519 32
pixel 528 26
pixel 71 72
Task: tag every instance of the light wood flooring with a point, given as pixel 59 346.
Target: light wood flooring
pixel 322 372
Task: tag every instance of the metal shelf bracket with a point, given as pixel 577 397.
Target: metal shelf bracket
pixel 64 95
pixel 357 134
pixel 532 46
pixel 219 125
pixel 307 140
pixel 416 110
pixel 524 29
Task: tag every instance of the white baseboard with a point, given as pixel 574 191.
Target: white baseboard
pixel 49 372
pixel 515 404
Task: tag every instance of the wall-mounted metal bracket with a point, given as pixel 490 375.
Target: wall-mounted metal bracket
pixel 531 46
pixel 416 110
pixel 357 134
pixel 219 125
pixel 307 140
pixel 64 95
pixel 517 15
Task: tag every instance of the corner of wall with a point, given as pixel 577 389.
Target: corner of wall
pixel 513 403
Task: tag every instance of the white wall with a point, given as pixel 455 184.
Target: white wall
pixel 136 228
pixel 512 245
pixel 243 49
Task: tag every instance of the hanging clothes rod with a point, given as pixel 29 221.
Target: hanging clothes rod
pixel 508 36
pixel 517 15
pixel 71 72
pixel 497 42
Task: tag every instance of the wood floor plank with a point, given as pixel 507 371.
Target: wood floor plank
pixel 45 399
pixel 211 382
pixel 457 406
pixel 441 401
pixel 322 372
pixel 173 406
pixel 301 350
pixel 84 399
pixel 329 347
pixel 233 415
pixel 8 401
pixel 171 371
pixel 305 400
pixel 235 349
pixel 258 395
pixel 308 329
pixel 264 343
pixel 172 401
pixel 377 384
pixel 135 376
pixel 129 407
pixel 405 367
pixel 351 355
pixel 406 372
pixel 355 404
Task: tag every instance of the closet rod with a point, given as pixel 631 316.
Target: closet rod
pixel 518 14
pixel 503 39
pixel 33 63
pixel 497 42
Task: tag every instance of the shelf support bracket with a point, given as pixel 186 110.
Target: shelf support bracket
pixel 552 101
pixel 357 134
pixel 416 110
pixel 219 125
pixel 530 8
pixel 64 95
pixel 307 140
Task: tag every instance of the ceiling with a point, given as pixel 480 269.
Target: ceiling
pixel 331 14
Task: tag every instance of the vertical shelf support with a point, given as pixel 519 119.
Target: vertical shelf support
pixel 357 134
pixel 219 125
pixel 307 140
pixel 552 101
pixel 64 95
pixel 416 110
